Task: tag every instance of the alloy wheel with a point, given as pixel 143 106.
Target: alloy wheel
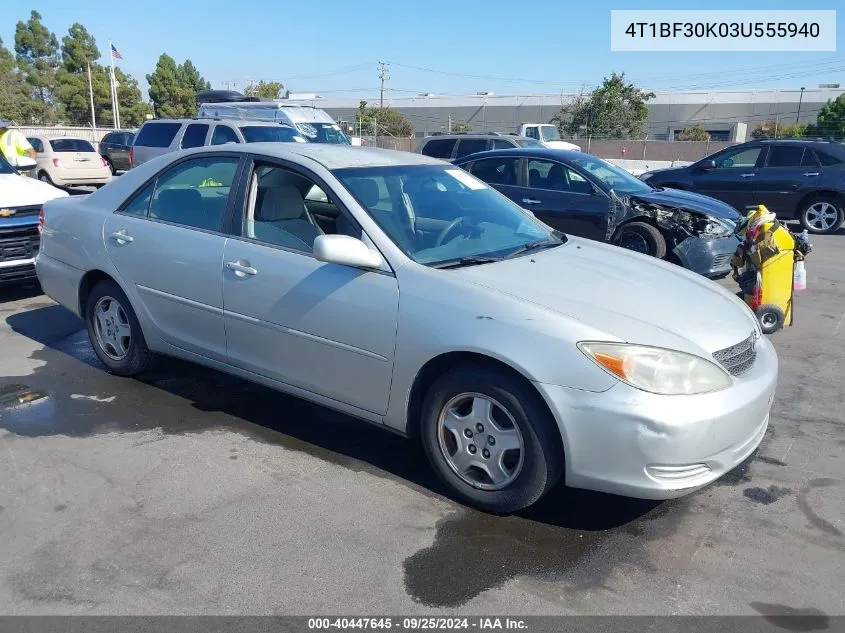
pixel 112 328
pixel 821 216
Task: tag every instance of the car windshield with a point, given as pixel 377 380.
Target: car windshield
pixel 549 133
pixel 611 176
pixel 5 167
pixel 323 133
pixel 528 142
pixel 71 145
pixel 270 134
pixel 441 215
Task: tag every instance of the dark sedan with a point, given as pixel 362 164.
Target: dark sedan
pixel 800 179
pixel 583 195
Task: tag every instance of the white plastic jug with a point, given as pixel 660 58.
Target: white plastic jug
pixel 799 278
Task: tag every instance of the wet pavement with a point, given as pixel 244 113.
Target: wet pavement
pixel 189 491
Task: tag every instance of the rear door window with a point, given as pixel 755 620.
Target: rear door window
pixel 467 146
pixel 497 171
pixel 194 135
pixel 827 159
pixel 439 148
pixel 157 134
pixel 785 156
pixel 502 144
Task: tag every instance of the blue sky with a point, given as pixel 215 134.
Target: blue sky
pixel 332 47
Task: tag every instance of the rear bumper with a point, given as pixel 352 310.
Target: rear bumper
pixel 710 257
pixel 67 178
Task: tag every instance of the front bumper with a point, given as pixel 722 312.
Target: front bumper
pixel 708 256
pixel 17 271
pixel 629 442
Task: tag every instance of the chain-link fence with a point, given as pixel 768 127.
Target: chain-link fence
pixel 88 133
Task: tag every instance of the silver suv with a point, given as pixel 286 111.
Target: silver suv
pixel 454 146
pixel 161 136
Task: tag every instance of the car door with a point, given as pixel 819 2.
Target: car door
pixel 564 199
pixel 789 173
pixel 167 245
pixel 501 173
pixel 732 178
pixel 324 328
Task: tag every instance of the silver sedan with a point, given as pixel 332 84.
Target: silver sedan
pixel 402 290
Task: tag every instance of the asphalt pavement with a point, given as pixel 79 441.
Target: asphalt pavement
pixel 191 492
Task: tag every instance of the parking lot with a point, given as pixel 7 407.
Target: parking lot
pixel 194 492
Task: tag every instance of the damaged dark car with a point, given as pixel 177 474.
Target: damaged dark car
pixel 583 195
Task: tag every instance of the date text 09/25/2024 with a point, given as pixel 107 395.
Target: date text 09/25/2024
pixel 417 623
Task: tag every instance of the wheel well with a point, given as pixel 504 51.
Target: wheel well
pixel 89 280
pixel 439 365
pixel 840 198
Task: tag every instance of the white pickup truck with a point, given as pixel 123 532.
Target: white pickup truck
pixel 545 133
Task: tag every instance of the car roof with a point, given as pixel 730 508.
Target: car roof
pixel 527 152
pixel 457 135
pixel 328 155
pixel 228 121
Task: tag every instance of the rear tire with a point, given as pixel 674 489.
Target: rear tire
pixel 821 215
pixel 642 238
pixel 114 331
pixel 460 449
pixel 44 177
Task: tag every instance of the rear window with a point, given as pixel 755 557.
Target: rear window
pixel 157 134
pixel 71 145
pixel 194 135
pixel 467 146
pixel 268 134
pixel 827 159
pixel 439 148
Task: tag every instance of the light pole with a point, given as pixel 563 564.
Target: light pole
pixel 485 94
pixel 800 99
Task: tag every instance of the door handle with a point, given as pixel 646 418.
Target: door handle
pixel 241 268
pixel 122 236
pixel 747 175
pixel 530 201
pixel 811 173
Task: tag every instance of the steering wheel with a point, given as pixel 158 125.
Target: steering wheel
pixel 456 224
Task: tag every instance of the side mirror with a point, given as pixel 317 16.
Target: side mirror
pixel 707 164
pixel 345 251
pixel 25 163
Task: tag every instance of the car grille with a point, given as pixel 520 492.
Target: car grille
pixel 18 243
pixel 31 209
pixel 738 358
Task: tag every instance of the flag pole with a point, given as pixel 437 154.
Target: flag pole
pixel 115 106
pixel 91 98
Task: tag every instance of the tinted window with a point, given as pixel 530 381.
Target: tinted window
pixel 502 144
pixel 71 145
pixel 268 134
pixel 37 145
pixel 224 134
pixel 157 134
pixel 739 159
pixel 439 148
pixel 785 156
pixel 195 193
pixel 532 132
pixel 128 138
pixel 111 137
pixel 140 203
pixel 194 135
pixel 545 174
pixel 467 146
pixel 528 142
pixel 826 159
pixel 809 159
pixel 497 171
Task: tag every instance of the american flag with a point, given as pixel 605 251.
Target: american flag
pixel 115 53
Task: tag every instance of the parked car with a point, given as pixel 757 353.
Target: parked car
pixel 797 179
pixel 161 136
pixel 21 198
pixel 515 353
pixel 114 148
pixel 547 134
pixel 69 162
pixel 583 195
pixel 453 147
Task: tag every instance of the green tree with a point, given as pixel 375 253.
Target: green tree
pixel 616 109
pixel 389 121
pixel 694 133
pixel 37 52
pixel 14 92
pixel 460 126
pixel 776 129
pixel 266 89
pixel 173 88
pixel 831 120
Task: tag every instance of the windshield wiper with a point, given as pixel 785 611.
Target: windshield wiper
pixel 533 246
pixel 472 260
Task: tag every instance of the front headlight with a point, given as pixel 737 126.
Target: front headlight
pixel 657 370
pixel 718 227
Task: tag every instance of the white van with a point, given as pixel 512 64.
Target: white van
pixel 312 123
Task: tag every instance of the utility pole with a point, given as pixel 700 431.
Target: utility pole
pixel 800 99
pixel 383 74
pixel 91 98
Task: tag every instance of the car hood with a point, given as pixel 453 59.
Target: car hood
pixel 689 201
pixel 625 295
pixel 21 191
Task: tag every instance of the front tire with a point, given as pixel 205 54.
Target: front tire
pixel 114 331
pixel 821 215
pixel 490 439
pixel 642 238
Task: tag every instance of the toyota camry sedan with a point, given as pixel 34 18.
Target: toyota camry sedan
pixel 406 292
